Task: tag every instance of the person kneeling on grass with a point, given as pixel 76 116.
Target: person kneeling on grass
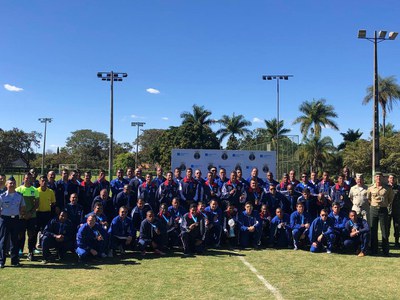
pixel 250 227
pixel 59 234
pixel 151 234
pixel 321 233
pixel 121 232
pixel 193 231
pixel 300 223
pixel 280 230
pixel 358 235
pixel 91 240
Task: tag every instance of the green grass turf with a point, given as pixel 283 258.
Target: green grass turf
pixel 217 275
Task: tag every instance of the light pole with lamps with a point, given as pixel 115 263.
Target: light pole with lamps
pixel 378 37
pixel 111 76
pixel 45 121
pixel 277 77
pixel 138 124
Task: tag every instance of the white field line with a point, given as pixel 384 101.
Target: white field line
pixel 270 287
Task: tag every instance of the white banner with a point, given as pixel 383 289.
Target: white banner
pixel 204 159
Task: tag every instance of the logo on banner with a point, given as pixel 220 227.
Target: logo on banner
pixel 182 167
pixel 265 168
pixel 224 156
pixel 252 156
pixel 196 155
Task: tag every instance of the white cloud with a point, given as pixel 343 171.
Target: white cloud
pixel 152 91
pixel 137 117
pixel 257 120
pixel 53 146
pixel 12 88
pixel 165 118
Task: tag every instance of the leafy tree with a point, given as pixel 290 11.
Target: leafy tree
pixel 358 156
pixel 316 114
pixel 271 130
pixel 124 160
pixel 233 126
pixel 389 92
pixel 391 147
pixel 315 152
pixel 349 137
pixel 17 144
pixel 88 148
pixel 146 142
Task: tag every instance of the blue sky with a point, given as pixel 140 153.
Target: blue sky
pixel 210 52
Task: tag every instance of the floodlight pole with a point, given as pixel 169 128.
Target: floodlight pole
pixel 375 131
pixel 138 124
pixel 277 77
pixel 45 121
pixel 111 76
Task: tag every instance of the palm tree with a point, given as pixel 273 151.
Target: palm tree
pixel 316 114
pixel 315 152
pixel 235 125
pixel 349 137
pixel 389 92
pixel 271 131
pixel 199 118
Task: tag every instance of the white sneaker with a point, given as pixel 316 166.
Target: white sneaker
pixel 328 251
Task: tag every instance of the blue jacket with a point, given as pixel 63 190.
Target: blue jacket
pixel 276 201
pixel 87 237
pixel 361 225
pixel 339 223
pixel 117 186
pixel 319 227
pixel 55 227
pixel 121 227
pixel 296 220
pixel 138 215
pixel 75 214
pixel 276 221
pixel 246 220
pixel 214 217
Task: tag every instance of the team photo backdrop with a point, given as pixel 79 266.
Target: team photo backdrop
pixel 229 159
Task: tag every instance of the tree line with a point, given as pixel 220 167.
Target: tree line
pixel 89 149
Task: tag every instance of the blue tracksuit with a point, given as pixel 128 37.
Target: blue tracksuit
pixel 215 223
pixel 318 227
pixel 296 220
pixel 362 239
pixel 339 222
pixel 280 237
pixel 120 228
pixel 86 239
pixel 245 221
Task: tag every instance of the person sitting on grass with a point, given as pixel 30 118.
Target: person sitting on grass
pixel 300 223
pixel 59 234
pixel 151 234
pixel 321 233
pixel 280 230
pixel 358 234
pixel 193 230
pixel 121 232
pixel 91 240
pixel 170 234
pixel 250 227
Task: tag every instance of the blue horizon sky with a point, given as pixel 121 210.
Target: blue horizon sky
pixel 210 53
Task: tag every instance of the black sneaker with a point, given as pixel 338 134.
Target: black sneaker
pixel 2 266
pixel 30 256
pixel 17 265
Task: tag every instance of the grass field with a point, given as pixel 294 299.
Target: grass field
pixel 220 274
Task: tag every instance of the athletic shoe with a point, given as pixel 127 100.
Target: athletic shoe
pixel 328 251
pixel 44 261
pixel 103 255
pixel 2 266
pixel 361 254
pixel 30 256
pixel 110 254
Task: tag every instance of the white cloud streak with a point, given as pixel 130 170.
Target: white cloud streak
pixel 165 118
pixel 257 120
pixel 153 91
pixel 12 88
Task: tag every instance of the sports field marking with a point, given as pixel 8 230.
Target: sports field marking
pixel 270 287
